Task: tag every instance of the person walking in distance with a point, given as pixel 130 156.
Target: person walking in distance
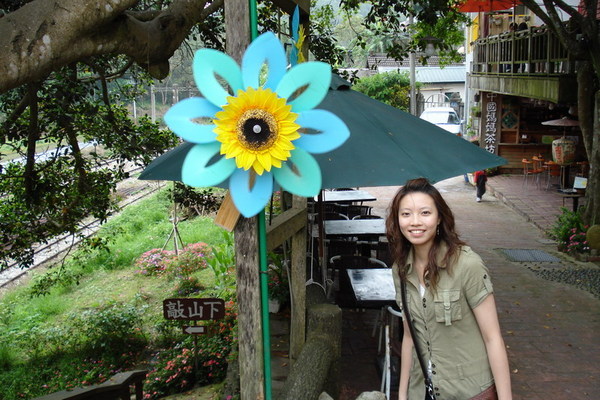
pixel 480 179
pixel 452 340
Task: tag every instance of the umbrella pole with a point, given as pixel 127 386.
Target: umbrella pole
pixel 264 291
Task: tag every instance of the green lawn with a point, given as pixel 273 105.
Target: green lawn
pixel 101 315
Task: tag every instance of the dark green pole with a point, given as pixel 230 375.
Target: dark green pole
pixel 262 254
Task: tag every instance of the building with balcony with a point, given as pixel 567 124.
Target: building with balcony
pixel 518 79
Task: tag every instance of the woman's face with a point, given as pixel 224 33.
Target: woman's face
pixel 419 218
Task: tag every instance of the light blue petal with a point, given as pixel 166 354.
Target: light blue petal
pixel 195 172
pixel 264 49
pixel 295 23
pixel 333 132
pixel 208 66
pixel 295 36
pixel 316 75
pixel 179 119
pixel 250 202
pixel 305 180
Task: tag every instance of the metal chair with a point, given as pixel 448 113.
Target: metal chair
pixel 529 170
pixel 332 215
pixel 353 211
pixel 367 216
pixel 392 349
pixel 552 170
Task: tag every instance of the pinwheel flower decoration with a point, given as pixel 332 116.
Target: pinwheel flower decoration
pixel 264 132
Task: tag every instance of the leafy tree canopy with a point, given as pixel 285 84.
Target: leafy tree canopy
pixel 392 88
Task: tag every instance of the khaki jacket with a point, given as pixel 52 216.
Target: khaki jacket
pixel 447 330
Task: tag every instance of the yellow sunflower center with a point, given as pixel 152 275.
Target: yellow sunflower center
pixel 257 129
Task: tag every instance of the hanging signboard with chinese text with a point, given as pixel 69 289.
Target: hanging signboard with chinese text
pixel 194 309
pixel 491 122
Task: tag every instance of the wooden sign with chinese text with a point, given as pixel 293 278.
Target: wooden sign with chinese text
pixel 194 309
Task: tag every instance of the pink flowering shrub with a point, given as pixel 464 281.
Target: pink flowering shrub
pixel 174 372
pixel 190 259
pixel 577 242
pixel 154 262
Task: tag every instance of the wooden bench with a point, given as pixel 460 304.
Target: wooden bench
pixel 116 388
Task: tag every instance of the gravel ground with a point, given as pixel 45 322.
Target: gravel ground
pixel 584 278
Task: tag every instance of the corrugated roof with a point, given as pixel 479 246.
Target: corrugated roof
pixel 375 60
pixel 433 74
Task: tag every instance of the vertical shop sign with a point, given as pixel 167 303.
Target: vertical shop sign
pixel 491 123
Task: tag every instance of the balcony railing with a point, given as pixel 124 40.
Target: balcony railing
pixel 535 51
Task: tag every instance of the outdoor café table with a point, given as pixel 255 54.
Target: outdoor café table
pixel 355 227
pixel 346 196
pixel 572 194
pixel 372 287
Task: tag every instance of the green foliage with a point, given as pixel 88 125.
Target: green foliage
pixel 83 334
pixel 182 367
pixel 386 27
pixel 222 262
pixel 187 286
pixel 197 201
pixel 55 277
pixel 391 88
pixel 190 259
pixel 322 43
pixel 566 225
pixel 111 329
pixel 48 197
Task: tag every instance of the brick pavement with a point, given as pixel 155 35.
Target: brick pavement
pixel 551 329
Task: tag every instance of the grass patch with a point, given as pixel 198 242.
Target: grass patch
pixel 80 322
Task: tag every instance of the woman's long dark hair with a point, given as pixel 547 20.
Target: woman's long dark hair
pixel 400 246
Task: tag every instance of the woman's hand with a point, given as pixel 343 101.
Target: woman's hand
pixel 405 362
pixel 487 319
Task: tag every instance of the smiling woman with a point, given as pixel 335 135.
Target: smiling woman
pixel 448 300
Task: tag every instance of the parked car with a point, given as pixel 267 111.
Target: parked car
pixel 444 117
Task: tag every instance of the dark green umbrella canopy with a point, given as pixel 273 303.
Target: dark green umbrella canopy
pixel 387 146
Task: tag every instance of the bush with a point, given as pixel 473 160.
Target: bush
pixel 191 259
pixel 392 88
pixel 175 369
pixel 567 224
pixel 154 262
pixel 187 286
pixel 111 330
pixel 196 201
pixel 222 262
pixel 577 243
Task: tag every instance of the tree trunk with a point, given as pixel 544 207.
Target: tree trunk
pixel 250 330
pixel 587 110
pixel 591 215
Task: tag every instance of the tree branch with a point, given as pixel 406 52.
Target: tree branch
pixel 42 36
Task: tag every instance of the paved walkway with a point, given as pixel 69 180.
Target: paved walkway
pixel 551 329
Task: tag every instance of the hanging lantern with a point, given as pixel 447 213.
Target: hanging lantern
pixel 563 151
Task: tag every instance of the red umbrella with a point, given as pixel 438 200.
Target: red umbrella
pixel 487 5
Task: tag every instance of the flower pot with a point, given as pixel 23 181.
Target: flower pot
pixel 274 306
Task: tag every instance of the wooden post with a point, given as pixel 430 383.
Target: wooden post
pixel 237 26
pixel 298 278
